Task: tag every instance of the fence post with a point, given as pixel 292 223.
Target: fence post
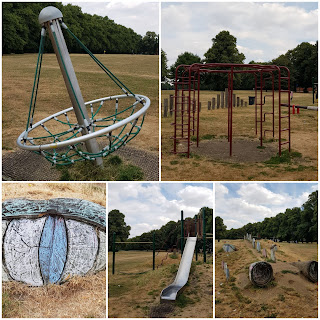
pixel 213 104
pixel 154 251
pixel 226 96
pixel 222 99
pixel 182 233
pixel 238 101
pixel 209 105
pixel 165 108
pixel 234 99
pixel 218 101
pixel 113 251
pixel 171 104
pixel 246 103
pixel 204 235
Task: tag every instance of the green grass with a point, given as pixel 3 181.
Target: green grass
pixel 208 137
pixel 8 305
pixel 288 271
pixel 182 301
pixel 174 162
pixel 239 295
pixel 173 256
pixel 114 170
pixel 286 157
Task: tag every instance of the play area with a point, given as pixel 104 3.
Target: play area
pixel 87 131
pixel 265 279
pixel 269 133
pixel 161 283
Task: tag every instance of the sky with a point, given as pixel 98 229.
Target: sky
pixel 240 203
pixel 264 30
pixel 136 14
pixel 148 206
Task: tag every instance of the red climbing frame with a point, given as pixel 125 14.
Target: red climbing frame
pixel 187 100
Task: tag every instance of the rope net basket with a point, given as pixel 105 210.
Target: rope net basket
pixel 87 130
pixel 260 273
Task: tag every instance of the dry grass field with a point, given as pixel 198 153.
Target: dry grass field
pixel 95 192
pixel 135 295
pixel 138 72
pixel 211 160
pixel 80 297
pixel 289 295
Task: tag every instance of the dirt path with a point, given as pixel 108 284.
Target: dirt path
pixel 281 298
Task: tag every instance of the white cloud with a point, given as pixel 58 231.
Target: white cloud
pixel 242 203
pixel 151 205
pixel 263 30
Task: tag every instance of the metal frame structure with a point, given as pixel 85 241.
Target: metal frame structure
pixel 187 100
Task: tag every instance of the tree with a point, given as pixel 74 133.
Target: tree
pixel 220 228
pixel 150 43
pixel 187 58
pixel 164 65
pixel 117 224
pixel 223 50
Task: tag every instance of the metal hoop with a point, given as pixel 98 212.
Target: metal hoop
pixel 22 139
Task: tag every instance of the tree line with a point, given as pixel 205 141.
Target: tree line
pixel 302 62
pixel 166 238
pixel 21 31
pixel 297 224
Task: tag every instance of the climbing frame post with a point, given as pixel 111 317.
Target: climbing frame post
pixel 204 235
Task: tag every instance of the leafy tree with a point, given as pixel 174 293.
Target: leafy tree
pixel 117 224
pixel 164 65
pixel 187 58
pixel 220 228
pixel 150 43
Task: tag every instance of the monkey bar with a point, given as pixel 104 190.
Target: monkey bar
pixel 187 101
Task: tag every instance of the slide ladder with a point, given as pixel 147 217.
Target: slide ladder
pixel 170 292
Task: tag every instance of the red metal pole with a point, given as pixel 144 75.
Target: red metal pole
pixel 279 85
pixel 189 110
pixel 289 89
pixel 198 115
pixel 272 104
pixel 230 107
pixel 175 112
pixel 261 84
pixel 255 101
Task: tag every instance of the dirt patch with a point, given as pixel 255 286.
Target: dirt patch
pixel 243 150
pixel 24 165
pixel 161 310
pixel 282 297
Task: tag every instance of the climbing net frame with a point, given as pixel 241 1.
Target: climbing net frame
pixel 66 147
pixel 187 101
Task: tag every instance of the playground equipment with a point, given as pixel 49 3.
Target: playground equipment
pixel 187 101
pixel 48 241
pixel 74 137
pixel 170 292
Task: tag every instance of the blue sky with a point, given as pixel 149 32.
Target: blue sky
pixel 264 30
pixel 240 203
pixel 149 206
pixel 137 15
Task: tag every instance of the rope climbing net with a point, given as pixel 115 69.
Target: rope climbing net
pixel 112 120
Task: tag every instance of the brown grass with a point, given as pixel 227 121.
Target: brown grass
pixel 282 298
pixel 135 296
pixel 80 297
pixel 95 192
pixel 304 138
pixel 138 72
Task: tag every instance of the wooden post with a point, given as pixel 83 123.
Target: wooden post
pixel 165 108
pixel 226 97
pixel 238 101
pixel 171 104
pixel 234 100
pixel 222 99
pixel 218 101
pixel 213 103
pixel 209 105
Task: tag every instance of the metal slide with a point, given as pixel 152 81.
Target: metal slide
pixel 170 292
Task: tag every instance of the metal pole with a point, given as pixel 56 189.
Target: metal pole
pixel 196 236
pixel 261 85
pixel 49 17
pixel 204 236
pixel 154 251
pixel 113 251
pixel 312 90
pixel 182 234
